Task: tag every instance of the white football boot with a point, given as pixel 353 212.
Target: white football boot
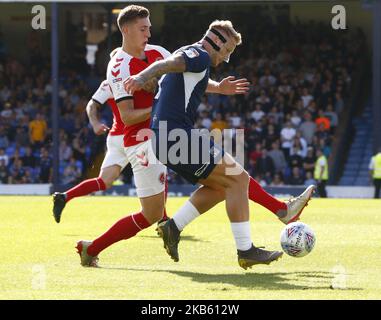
pixel 295 206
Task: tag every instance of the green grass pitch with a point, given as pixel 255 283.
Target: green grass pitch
pixel 38 259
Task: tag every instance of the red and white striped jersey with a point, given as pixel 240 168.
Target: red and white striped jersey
pixel 121 66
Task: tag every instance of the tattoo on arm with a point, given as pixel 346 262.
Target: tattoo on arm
pixel 92 111
pixel 173 64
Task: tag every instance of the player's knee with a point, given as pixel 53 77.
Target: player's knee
pixel 240 180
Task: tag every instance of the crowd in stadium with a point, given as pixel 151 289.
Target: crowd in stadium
pixel 300 76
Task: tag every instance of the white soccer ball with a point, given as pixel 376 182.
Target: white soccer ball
pixel 297 239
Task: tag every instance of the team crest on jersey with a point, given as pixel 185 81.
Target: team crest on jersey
pixel 191 53
pixel 162 178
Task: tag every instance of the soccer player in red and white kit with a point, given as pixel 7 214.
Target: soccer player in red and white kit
pixel 115 159
pixel 135 112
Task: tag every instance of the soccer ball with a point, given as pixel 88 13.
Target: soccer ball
pixel 297 239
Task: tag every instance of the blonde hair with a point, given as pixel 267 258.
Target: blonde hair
pixel 227 27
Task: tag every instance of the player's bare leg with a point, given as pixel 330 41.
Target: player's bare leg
pixel 110 174
pixel 153 207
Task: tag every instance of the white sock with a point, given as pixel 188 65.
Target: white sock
pixel 241 232
pixel 186 214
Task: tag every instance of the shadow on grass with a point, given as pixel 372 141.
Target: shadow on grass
pixel 183 238
pixel 266 281
pixel 270 281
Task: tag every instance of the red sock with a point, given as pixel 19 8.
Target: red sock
pixel 260 196
pixel 165 199
pixel 123 229
pixel 85 187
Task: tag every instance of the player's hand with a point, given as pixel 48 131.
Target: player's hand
pixel 151 85
pixel 100 128
pixel 230 86
pixel 132 84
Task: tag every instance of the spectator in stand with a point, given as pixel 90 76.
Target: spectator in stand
pixel 339 102
pixel 28 177
pixel 308 128
pixel 275 114
pixel 21 137
pixel 309 161
pixel 46 166
pixel 206 122
pixel 306 97
pixel 251 167
pixel 235 120
pixel 287 134
pixel 309 179
pixel 278 157
pixel 258 113
pixel 65 151
pixel 4 142
pixel 277 181
pixel 295 119
pixel 16 172
pixel 270 136
pixel 7 112
pixel 4 173
pixel 37 131
pixel 71 174
pixel 296 177
pixel 79 151
pixel 265 165
pixel 303 143
pixel 332 116
pixel 264 100
pixel 205 105
pixel 296 160
pixel 267 80
pixel 219 123
pixel 4 157
pixel 257 153
pixel 322 122
pixel 28 159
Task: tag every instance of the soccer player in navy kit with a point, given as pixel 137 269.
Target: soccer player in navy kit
pixel 185 80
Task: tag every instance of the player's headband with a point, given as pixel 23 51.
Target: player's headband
pixel 218 34
pixel 214 46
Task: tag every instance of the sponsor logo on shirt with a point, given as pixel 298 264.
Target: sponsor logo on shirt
pixel 191 53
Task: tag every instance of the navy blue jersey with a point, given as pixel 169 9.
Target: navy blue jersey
pixel 180 94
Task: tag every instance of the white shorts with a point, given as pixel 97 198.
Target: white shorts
pixel 115 152
pixel 149 173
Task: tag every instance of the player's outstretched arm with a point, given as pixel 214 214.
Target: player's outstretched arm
pixel 228 86
pixel 92 112
pixel 172 64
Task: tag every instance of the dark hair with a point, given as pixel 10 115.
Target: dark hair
pixel 130 13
